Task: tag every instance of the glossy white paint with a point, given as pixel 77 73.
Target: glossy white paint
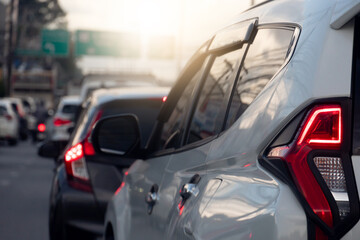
pixel 8 128
pixel 239 199
pixel 343 12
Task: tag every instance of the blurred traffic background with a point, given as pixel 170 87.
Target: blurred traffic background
pixel 55 54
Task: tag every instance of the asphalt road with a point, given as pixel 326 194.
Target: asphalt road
pixel 25 181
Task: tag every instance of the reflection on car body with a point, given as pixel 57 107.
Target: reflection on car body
pixel 249 140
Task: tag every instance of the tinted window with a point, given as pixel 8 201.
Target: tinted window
pixel 15 108
pixel 2 110
pixel 209 115
pixel 171 131
pixel 265 57
pixel 145 109
pixel 70 109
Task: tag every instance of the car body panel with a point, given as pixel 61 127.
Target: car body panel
pixel 244 200
pixel 77 208
pixel 141 178
pixel 179 171
pixel 343 12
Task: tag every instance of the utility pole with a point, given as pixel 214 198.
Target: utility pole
pixel 10 42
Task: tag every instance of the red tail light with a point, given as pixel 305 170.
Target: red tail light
pixel 41 127
pixel 316 150
pixel 75 163
pixel 76 170
pixel 8 117
pixel 61 122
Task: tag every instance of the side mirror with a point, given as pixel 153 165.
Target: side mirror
pixel 48 149
pixel 118 135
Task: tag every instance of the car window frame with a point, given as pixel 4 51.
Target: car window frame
pixel 196 94
pixel 202 52
pixel 213 55
pixel 291 49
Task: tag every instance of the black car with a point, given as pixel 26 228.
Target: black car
pixel 84 181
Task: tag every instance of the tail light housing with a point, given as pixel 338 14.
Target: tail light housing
pixel 76 169
pixel 61 122
pixel 8 117
pixel 315 162
pixel 75 163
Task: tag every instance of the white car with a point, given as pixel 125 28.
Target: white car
pixel 9 123
pixel 64 119
pixel 258 139
pixel 18 108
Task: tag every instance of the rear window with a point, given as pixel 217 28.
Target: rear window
pixel 70 109
pixel 15 108
pixel 145 109
pixel 3 110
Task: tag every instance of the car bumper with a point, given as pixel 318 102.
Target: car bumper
pixel 78 208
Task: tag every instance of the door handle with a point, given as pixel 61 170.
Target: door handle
pixel 189 189
pixel 151 198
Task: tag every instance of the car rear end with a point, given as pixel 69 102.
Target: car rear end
pixel 8 123
pixel 64 120
pixel 289 165
pixel 316 151
pixel 85 181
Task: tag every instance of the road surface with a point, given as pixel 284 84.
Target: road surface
pixel 25 181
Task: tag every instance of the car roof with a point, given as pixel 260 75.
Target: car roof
pixel 70 99
pixel 302 11
pixel 4 101
pixel 101 96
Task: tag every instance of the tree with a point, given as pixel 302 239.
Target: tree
pixel 33 16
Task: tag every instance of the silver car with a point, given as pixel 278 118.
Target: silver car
pixel 258 139
pixel 9 123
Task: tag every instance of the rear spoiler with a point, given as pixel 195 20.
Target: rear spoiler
pixel 343 12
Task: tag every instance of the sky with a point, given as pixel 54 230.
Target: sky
pixel 152 17
pixel 190 22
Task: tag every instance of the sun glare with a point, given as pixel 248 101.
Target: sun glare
pixel 155 17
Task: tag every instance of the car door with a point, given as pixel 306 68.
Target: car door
pixel 185 177
pixel 107 171
pixel 233 188
pixel 142 185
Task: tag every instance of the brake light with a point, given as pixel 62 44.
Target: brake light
pixel 323 127
pixel 41 127
pixel 315 151
pixel 164 99
pixel 60 122
pixel 75 163
pixel 8 117
pixel 76 168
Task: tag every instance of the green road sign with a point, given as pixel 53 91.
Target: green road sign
pixel 55 42
pixel 101 43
